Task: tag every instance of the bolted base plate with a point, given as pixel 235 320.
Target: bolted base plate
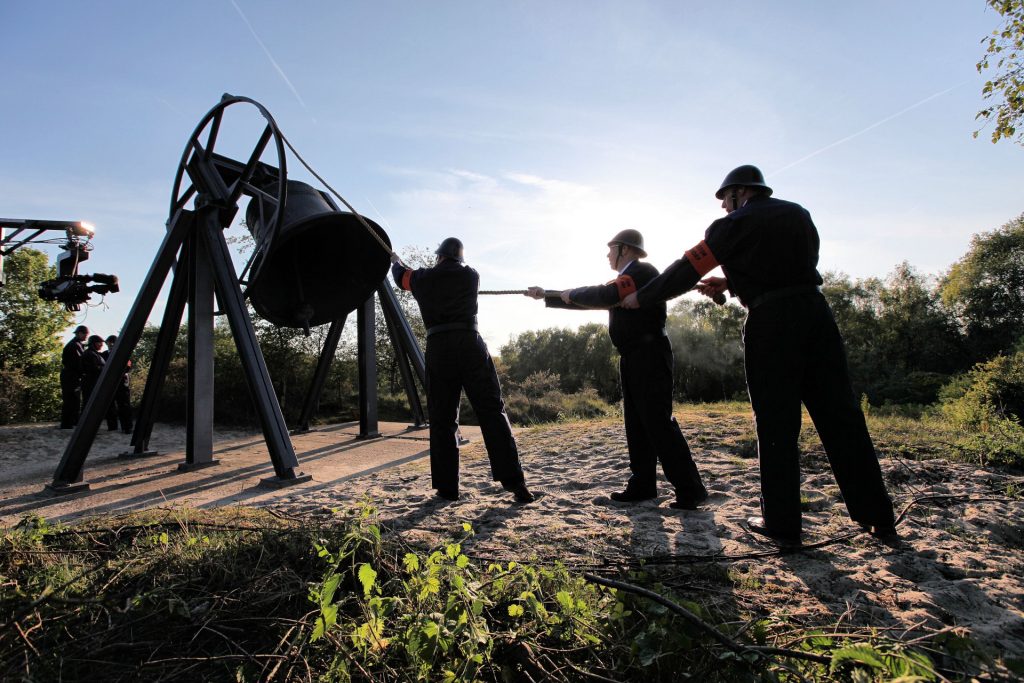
pixel 66 489
pixel 279 483
pixel 371 435
pixel 190 466
pixel 141 454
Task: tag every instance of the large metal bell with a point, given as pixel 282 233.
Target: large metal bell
pixel 322 263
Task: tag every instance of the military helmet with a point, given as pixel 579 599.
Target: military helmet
pixel 451 248
pixel 630 238
pixel 743 175
pixel 95 338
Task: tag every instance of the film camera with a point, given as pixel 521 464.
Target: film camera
pixel 70 288
pixel 74 291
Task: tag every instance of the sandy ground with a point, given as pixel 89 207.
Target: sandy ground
pixel 959 563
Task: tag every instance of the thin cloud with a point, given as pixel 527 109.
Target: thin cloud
pixel 273 61
pixel 869 128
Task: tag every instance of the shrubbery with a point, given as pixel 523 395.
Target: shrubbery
pixel 241 595
pixel 987 404
pixel 538 399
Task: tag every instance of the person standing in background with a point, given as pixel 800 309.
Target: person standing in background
pixel 121 407
pixel 71 378
pixel 92 365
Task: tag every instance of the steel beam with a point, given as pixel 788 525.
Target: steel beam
pixel 323 367
pixel 163 353
pixel 366 354
pixel 199 406
pixel 229 295
pixel 394 318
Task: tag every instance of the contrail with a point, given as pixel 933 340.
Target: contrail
pixel 379 214
pixel 269 56
pixel 871 127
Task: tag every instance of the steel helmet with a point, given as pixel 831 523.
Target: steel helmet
pixel 630 238
pixel 450 248
pixel 743 175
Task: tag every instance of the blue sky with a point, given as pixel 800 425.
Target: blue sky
pixel 532 130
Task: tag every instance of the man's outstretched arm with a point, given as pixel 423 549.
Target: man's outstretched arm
pixel 678 278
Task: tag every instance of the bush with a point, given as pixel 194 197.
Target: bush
pixel 913 387
pixel 987 404
pixel 538 399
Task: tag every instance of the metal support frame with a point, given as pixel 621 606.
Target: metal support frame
pixel 366 354
pixel 197 241
pixel 162 354
pixel 323 367
pixel 407 351
pixel 408 354
pixel 199 403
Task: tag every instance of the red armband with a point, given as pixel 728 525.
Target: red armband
pixel 625 285
pixel 407 281
pixel 701 258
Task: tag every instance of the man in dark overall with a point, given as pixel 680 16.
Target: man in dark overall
pixel 645 371
pixel 71 378
pixel 93 361
pixel 121 408
pixel 793 353
pixel 457 358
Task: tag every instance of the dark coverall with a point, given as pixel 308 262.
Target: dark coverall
pixel 92 365
pixel 645 371
pixel 71 383
pixel 793 353
pixel 457 358
pixel 121 407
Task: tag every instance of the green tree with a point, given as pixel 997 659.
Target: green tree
pixel 985 290
pixel 1004 52
pixel 902 344
pixel 29 344
pixel 580 358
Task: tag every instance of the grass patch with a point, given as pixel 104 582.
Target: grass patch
pixel 243 595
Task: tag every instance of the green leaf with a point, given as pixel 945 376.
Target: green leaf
pixel 329 588
pixel 318 630
pixel 431 629
pixel 329 616
pixel 411 562
pixel 515 610
pixel 858 654
pixel 367 577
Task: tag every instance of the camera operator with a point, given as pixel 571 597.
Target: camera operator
pixel 71 378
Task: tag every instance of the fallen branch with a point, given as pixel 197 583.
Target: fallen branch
pixel 699 623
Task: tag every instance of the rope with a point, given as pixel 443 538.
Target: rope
pixel 503 291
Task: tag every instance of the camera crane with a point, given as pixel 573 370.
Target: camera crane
pixel 69 287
